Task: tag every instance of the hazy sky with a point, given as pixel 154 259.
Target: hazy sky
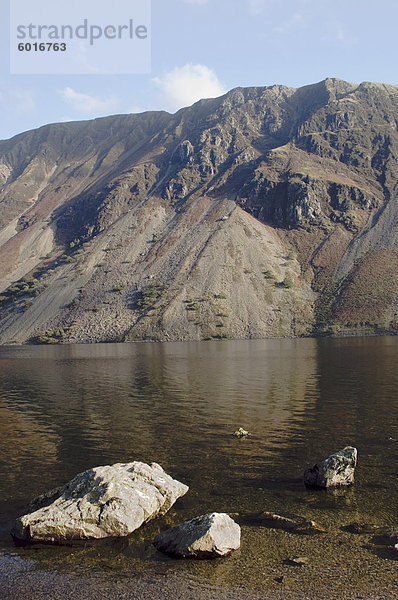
pixel 202 48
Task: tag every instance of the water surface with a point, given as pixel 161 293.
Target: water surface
pixel 65 409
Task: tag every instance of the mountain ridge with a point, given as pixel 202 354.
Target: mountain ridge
pixel 130 227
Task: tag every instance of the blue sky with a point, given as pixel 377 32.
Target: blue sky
pixel 202 48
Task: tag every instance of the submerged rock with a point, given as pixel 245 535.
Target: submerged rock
pixel 109 501
pixel 290 523
pixel 365 528
pixel 208 536
pixel 386 538
pixel 336 470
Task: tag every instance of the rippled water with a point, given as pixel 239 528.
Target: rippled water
pixel 64 409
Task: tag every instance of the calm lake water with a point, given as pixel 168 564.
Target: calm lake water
pixel 65 409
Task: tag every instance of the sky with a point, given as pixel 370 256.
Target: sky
pixel 203 48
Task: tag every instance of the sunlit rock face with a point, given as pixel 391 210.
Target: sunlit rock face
pixel 267 212
pixel 208 536
pixel 109 501
pixel 335 471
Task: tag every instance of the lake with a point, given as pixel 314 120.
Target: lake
pixel 64 409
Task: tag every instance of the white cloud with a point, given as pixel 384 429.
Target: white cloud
pixel 182 86
pixel 87 104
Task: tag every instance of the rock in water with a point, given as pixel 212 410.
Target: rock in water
pixel 365 528
pixel 386 538
pixel 102 502
pixel 290 523
pixel 240 433
pixel 207 536
pixel 336 470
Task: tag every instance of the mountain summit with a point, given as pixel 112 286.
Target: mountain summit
pixel 266 212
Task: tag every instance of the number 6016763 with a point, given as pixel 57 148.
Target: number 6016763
pixel 42 47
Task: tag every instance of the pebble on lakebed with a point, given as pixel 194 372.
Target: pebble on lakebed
pixel 297 561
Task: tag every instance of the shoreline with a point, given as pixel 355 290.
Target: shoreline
pixel 17 583
pixel 339 335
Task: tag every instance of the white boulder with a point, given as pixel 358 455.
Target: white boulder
pixel 102 502
pixel 208 536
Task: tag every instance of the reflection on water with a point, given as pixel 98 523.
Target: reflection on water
pixel 65 409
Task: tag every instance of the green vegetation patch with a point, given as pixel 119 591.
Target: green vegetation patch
pixel 25 288
pixel 286 284
pixel 51 336
pixel 74 304
pixel 268 274
pixel 148 296
pixel 193 305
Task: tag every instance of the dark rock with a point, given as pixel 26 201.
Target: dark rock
pixel 365 528
pixel 386 539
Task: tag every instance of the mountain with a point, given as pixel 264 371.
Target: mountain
pixel 266 212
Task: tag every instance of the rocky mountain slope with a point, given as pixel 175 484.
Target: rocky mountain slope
pixel 265 212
